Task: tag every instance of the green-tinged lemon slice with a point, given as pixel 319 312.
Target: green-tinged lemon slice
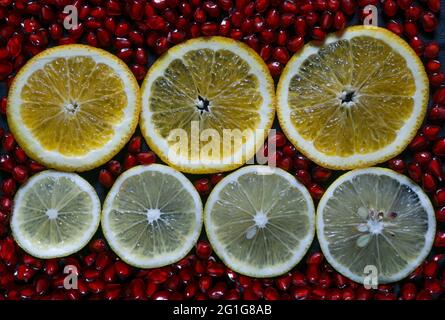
pixel 260 221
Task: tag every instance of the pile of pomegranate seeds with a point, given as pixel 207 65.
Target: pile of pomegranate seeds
pixel 276 29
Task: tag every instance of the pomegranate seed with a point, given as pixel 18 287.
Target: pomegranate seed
pixel 434 5
pixel 417 44
pixel 390 8
pixel 203 250
pixel 283 283
pixel 203 186
pixel 395 27
pixel 433 66
pixel 429 183
pixel 439 147
pixel 190 290
pixel 20 174
pixel 437 113
pixel 439 240
pixel 158 276
pixel 418 143
pixel 215 178
pixel 215 269
pixel 300 293
pixel 316 191
pixel 275 68
pixel 312 273
pixel 431 132
pixel 8 142
pixel 429 21
pixel 129 161
pixel 432 51
pixel 218 291
pixel 205 282
pixel 106 179
pixel 430 269
pixel 146 157
pixel 8 186
pixel 122 269
pixel 271 294
pixel 440 214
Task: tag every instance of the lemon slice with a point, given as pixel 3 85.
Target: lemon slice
pixel 55 214
pixel 375 220
pixel 152 216
pixel 260 221
pixel 207 105
pixel 354 101
pixel 73 107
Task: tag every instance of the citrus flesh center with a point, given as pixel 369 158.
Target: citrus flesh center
pixel 200 91
pixel 72 107
pixel 356 100
pixel 375 217
pixel 152 216
pixel 55 214
pixel 260 221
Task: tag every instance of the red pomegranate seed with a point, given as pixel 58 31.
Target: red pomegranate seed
pixel 300 293
pixel 215 178
pixel 312 273
pixel 215 269
pixel 190 290
pixel 418 143
pixel 417 44
pixel 203 186
pixel 437 113
pixel 432 51
pixel 20 174
pixel 8 186
pixel 106 179
pixel 431 131
pixel 440 214
pixel 395 27
pixel 415 171
pixel 271 294
pixel 439 147
pixel 437 79
pixel 129 161
pixel 434 5
pixel 434 287
pixel 312 18
pixel 439 240
pixel 429 21
pixel 114 167
pixel 275 68
pixel 218 291
pixel 205 282
pixel 186 275
pixel 8 142
pixel 316 191
pixel 203 250
pixel 158 276
pixel 273 18
pixel 429 183
pixel 146 157
pixel 283 283
pixel 430 269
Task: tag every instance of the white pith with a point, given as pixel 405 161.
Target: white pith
pixel 266 111
pixel 426 203
pixel 122 130
pixel 64 249
pixel 357 160
pixel 239 265
pixel 165 259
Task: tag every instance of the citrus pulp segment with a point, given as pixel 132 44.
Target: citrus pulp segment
pixel 260 221
pixel 354 101
pixel 55 214
pixel 73 107
pixel 200 95
pixel 152 216
pixel 378 218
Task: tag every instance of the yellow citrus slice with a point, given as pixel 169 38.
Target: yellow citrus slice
pixel 152 216
pixel 207 105
pixel 55 214
pixel 260 221
pixel 356 100
pixel 375 222
pixel 73 107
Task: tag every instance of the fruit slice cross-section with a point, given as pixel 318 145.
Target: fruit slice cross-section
pixel 207 105
pixel 354 101
pixel 152 216
pixel 260 221
pixel 73 107
pixel 55 214
pixel 375 220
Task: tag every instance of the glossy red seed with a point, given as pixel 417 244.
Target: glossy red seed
pixel 429 21
pixel 218 291
pixel 439 197
pixel 439 147
pixel 415 171
pixel 316 191
pixel 106 179
pixel 215 269
pixel 440 214
pixel 129 161
pixel 418 143
pixel 429 183
pixel 431 131
pixel 8 142
pixel 158 276
pixel 395 27
pixel 434 5
pixel 271 294
pixel 203 186
pixel 437 113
